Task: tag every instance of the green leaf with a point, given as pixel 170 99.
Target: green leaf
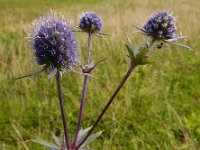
pixel 136 50
pixel 140 56
pixel 130 51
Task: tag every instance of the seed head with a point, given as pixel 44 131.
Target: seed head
pixel 53 42
pixel 160 26
pixel 90 22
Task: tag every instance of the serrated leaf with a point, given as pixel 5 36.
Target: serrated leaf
pixel 92 138
pixel 47 144
pixel 57 139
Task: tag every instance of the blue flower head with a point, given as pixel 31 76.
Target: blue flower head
pixel 53 42
pixel 90 22
pixel 160 26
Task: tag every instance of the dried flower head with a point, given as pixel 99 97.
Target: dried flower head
pixel 90 22
pixel 160 25
pixel 53 42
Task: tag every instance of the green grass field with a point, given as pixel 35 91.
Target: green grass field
pixel 159 106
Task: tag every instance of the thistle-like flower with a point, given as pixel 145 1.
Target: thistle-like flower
pixel 90 22
pixel 53 42
pixel 161 27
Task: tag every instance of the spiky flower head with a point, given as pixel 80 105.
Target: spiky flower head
pixel 160 26
pixel 53 42
pixel 90 22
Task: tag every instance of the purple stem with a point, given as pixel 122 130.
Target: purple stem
pixel 67 139
pixel 83 94
pixel 88 52
pixel 132 66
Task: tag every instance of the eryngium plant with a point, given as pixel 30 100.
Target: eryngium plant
pixel 54 47
pixel 160 27
pixel 91 24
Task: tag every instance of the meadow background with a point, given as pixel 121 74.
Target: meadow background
pixel 159 106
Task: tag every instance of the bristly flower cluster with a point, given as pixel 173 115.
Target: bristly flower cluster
pixel 90 22
pixel 160 25
pixel 53 42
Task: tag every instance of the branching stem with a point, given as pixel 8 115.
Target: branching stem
pixel 83 94
pixel 132 66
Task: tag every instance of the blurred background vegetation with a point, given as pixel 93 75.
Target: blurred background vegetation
pixel 159 106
